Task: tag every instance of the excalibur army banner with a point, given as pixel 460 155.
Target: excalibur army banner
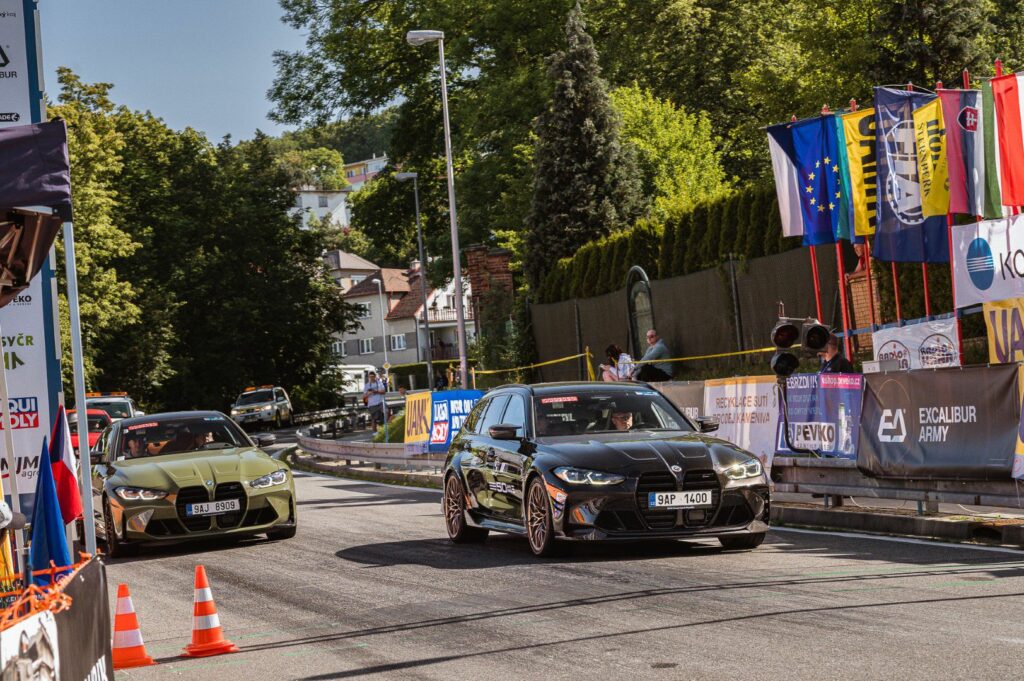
pixel 83 637
pixel 940 424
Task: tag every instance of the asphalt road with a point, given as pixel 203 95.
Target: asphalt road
pixel 371 588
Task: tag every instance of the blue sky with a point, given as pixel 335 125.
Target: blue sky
pixel 200 63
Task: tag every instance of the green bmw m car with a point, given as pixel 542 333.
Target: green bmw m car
pixel 185 475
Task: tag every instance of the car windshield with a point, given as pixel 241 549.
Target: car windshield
pixel 254 397
pixel 583 413
pixel 96 423
pixel 118 409
pixel 177 435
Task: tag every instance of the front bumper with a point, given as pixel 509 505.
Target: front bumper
pixel 588 513
pixel 166 519
pixel 253 417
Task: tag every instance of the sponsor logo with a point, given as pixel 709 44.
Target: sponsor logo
pixel 502 488
pixel 903 187
pixel 935 421
pixel 675 469
pixel 968 119
pixel 10 117
pixel 980 265
pixel 895 350
pixel 24 412
pixel 892 427
pixel 4 60
pixel 813 435
pixel 22 299
pixel 937 350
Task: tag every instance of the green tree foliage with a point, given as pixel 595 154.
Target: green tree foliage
pixel 585 185
pixel 357 138
pixel 321 168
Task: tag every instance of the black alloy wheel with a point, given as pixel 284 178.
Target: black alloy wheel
pixel 454 506
pixel 540 530
pixel 742 542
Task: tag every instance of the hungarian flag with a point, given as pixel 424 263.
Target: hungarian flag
pixel 62 463
pixel 965 150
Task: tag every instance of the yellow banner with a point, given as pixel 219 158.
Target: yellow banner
pixel 417 417
pixel 1004 321
pixel 932 171
pixel 859 129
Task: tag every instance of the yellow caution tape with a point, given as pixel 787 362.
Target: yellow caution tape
pixel 534 366
pixel 696 357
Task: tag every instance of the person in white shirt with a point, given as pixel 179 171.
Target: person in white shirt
pixel 373 397
pixel 619 367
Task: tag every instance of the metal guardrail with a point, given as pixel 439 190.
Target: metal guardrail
pixel 841 477
pixel 370 452
pixel 394 400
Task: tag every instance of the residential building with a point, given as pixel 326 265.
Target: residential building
pixel 325 205
pixel 359 173
pixel 348 269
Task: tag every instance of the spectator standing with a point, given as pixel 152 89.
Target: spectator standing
pixel 654 371
pixel 373 396
pixel 832 361
pixel 620 365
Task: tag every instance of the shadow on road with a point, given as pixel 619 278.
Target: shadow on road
pixel 186 547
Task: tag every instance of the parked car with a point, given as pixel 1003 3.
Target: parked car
pixel 98 421
pixel 117 404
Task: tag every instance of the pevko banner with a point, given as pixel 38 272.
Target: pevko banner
pixel 950 424
pixel 926 345
pixel 823 411
pixel 747 410
pixel 988 260
pixel 688 396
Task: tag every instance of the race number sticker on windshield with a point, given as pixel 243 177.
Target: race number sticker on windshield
pixel 559 400
pixel 140 426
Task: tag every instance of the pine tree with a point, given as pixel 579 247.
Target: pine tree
pixel 684 229
pixel 668 245
pixel 585 183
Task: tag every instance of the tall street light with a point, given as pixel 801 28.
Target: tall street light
pixel 387 366
pixel 417 38
pixel 405 177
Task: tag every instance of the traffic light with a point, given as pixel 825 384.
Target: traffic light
pixel 811 334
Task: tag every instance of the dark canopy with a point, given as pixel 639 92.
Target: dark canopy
pixel 35 198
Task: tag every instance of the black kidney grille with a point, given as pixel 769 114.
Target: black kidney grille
pixel 192 495
pixel 231 490
pixel 656 482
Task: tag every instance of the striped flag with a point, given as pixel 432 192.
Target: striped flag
pixel 965 150
pixel 787 184
pixel 1007 92
pixel 993 197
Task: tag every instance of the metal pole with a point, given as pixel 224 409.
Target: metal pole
pixel 456 260
pixel 12 463
pixel 871 281
pixel 817 283
pixel 423 283
pixel 924 280
pixel 737 322
pixel 78 365
pixel 896 292
pixel 847 345
pixel 387 367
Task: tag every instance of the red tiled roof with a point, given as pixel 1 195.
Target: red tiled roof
pixel 394 280
pixel 411 302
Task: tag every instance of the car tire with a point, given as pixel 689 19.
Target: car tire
pixel 116 548
pixel 283 533
pixel 454 507
pixel 742 542
pixel 540 529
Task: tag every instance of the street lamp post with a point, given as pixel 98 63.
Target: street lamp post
pixel 403 177
pixel 387 365
pixel 417 38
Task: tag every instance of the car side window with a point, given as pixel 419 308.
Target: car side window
pixel 475 416
pixel 493 415
pixel 515 414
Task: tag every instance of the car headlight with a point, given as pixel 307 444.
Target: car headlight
pixel 278 477
pixel 235 412
pixel 750 468
pixel 582 476
pixel 139 494
pixel 266 407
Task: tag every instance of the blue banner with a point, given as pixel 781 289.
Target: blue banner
pixel 903 233
pixel 448 410
pixel 824 414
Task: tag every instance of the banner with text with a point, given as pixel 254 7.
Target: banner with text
pixel 688 396
pixel 448 410
pixel 927 345
pixel 944 424
pixel 747 410
pixel 823 413
pixel 83 630
pixel 1004 321
pixel 988 260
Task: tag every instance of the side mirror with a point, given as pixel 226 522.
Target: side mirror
pixel 707 424
pixel 267 439
pixel 504 431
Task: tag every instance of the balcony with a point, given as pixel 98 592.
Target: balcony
pixel 447 314
pixel 439 352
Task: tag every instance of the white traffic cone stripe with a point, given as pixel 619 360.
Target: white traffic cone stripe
pixel 206 621
pixel 127 639
pixel 204 595
pixel 124 606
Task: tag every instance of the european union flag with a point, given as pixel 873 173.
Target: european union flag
pixel 816 153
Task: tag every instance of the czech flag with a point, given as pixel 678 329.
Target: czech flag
pixel 62 463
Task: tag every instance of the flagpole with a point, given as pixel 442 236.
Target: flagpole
pixel 78 365
pixel 896 293
pixel 817 282
pixel 12 468
pixel 949 231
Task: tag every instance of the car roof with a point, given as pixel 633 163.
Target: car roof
pixel 168 415
pixel 90 412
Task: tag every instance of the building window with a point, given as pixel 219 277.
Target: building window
pixel 449 301
pixel 338 348
pixel 365 346
pixel 398 342
pixel 363 310
pixel 350 173
pixel 356 278
pixel 322 201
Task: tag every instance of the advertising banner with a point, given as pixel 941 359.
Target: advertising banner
pixel 19 89
pixel 948 424
pixel 83 631
pixel 449 408
pixel 417 421
pixel 688 396
pixel 747 410
pixel 1004 321
pixel 28 649
pixel 928 345
pixel 988 261
pixel 824 414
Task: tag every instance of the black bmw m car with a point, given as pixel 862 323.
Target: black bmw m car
pixel 598 461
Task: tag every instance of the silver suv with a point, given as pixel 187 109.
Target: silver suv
pixel 265 405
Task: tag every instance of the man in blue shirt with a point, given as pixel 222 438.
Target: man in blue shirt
pixel 832 361
pixel 654 371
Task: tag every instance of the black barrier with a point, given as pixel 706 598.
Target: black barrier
pixel 688 396
pixel 83 630
pixel 945 424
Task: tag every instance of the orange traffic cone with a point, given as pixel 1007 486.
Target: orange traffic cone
pixel 129 650
pixel 207 638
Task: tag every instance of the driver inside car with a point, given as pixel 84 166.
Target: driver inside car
pixel 622 420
